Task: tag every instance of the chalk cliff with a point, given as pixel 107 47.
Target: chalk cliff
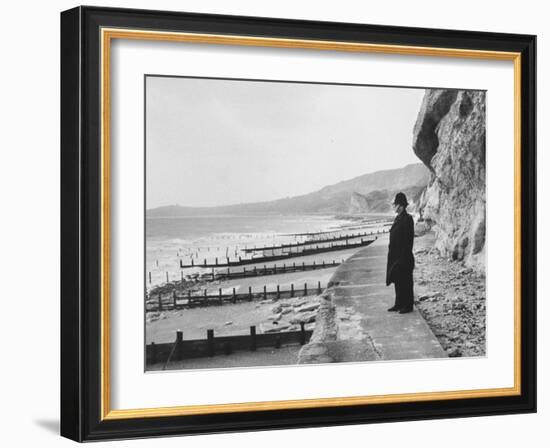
pixel 379 201
pixel 449 138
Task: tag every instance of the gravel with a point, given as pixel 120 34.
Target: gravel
pixel 451 297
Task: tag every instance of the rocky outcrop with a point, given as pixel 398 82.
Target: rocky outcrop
pixel 358 203
pixel 379 201
pixel 449 138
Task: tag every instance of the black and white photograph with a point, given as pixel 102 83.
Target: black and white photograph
pixel 293 223
pixel 275 224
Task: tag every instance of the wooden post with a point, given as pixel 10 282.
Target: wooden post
pixel 220 295
pixel 319 287
pixel 305 289
pixel 250 293
pixel 302 333
pixel 216 261
pixel 255 271
pixel 274 268
pixel 253 338
pixel 167 277
pixel 323 264
pixel 192 262
pixel 205 262
pixel 227 349
pixel 149 277
pixel 210 337
pixel 292 290
pixel 179 345
pixel 174 297
pixel 181 276
pixel 160 302
pixel 205 297
pixel 278 292
pixel 265 292
pixel 234 296
pixel 153 353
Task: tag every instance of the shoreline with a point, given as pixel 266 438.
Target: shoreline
pixel 449 296
pixel 164 254
pixel 271 315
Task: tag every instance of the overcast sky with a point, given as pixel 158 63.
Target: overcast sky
pixel 216 142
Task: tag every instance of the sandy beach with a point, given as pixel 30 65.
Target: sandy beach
pixel 449 297
pixel 232 319
pixel 268 315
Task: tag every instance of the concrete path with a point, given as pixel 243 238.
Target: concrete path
pixel 362 298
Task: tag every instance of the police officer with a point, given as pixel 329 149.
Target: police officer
pixel 400 257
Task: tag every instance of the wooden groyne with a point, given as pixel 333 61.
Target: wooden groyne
pixel 175 300
pixel 291 246
pixel 269 270
pixel 353 227
pixel 264 259
pixel 221 345
pixel 256 271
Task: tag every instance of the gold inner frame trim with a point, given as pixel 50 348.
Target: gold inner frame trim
pixel 107 35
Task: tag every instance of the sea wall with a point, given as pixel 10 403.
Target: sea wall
pixel 449 138
pixel 317 351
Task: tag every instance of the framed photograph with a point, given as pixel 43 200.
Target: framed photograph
pixel 273 223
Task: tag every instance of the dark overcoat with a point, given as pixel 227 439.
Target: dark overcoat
pixel 400 256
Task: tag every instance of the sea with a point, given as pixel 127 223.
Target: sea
pixel 170 240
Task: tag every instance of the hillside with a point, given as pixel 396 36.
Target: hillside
pixel 370 192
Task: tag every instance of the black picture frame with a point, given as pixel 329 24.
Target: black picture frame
pixel 81 381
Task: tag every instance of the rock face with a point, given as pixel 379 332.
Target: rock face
pixel 358 203
pixel 449 138
pixel 379 201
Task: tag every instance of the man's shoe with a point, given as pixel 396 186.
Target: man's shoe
pixel 393 308
pixel 405 310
